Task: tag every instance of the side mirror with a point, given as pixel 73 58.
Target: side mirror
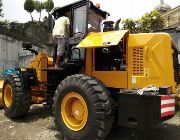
pixel 75 53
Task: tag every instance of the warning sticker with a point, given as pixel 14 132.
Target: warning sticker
pixel 133 80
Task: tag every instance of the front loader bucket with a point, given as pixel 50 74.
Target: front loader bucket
pixel 1 86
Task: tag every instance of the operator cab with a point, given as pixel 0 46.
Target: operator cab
pixel 84 17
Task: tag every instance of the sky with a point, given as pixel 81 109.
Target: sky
pixel 14 11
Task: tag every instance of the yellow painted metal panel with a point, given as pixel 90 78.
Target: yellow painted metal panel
pixel 115 79
pixel 50 61
pixel 157 60
pixel 40 63
pixel 102 39
pixel 89 61
pixel 1 86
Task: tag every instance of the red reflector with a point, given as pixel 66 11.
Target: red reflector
pixel 167 105
pixel 167 113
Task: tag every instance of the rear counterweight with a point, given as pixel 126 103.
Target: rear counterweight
pixel 144 110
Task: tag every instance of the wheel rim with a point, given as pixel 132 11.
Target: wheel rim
pixel 74 111
pixel 8 95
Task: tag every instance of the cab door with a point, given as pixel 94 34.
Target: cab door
pixel 79 28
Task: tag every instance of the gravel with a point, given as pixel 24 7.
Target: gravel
pixel 39 125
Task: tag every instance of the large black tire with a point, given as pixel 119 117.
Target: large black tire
pixel 21 100
pixel 99 105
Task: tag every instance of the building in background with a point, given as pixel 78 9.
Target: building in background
pixel 172 22
pixel 172 17
pixel 162 7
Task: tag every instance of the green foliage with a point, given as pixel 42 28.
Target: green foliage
pixel 1 5
pixel 149 22
pixel 29 6
pixel 131 25
pixel 48 5
pixel 4 22
pixel 39 6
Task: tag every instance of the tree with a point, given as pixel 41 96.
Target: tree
pixel 29 6
pixel 1 5
pixel 131 25
pixel 48 5
pixel 149 22
pixel 39 6
pixel 4 22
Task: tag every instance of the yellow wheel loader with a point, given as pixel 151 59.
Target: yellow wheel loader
pixel 108 77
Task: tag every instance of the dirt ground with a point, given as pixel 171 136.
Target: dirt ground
pixel 39 125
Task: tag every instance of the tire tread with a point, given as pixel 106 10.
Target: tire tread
pixel 101 98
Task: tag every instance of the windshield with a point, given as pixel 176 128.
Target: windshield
pixel 79 24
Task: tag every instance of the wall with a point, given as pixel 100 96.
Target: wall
pixel 8 52
pixel 12 54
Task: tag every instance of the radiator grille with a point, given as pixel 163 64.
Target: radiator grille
pixel 138 65
pixel 176 65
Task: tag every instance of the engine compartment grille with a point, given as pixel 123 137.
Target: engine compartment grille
pixel 138 65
